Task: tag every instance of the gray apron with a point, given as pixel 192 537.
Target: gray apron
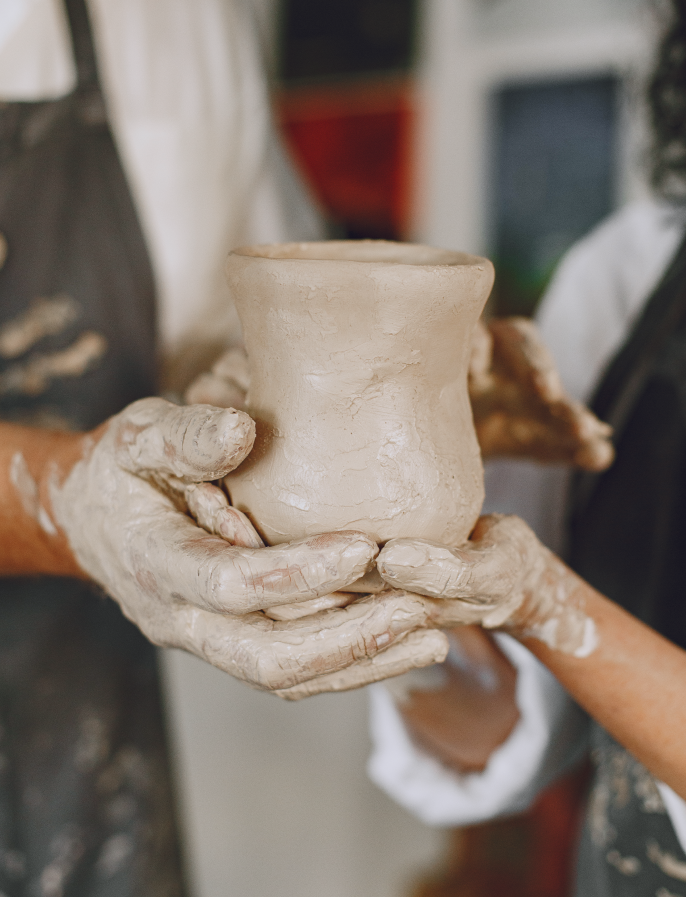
pixel 86 804
pixel 628 539
pixel 628 845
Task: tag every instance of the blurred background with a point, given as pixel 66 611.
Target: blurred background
pixel 508 127
pixel 503 127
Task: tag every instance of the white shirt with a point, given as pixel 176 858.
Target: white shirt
pixel 190 114
pixel 596 295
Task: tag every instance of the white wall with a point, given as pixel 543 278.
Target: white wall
pixel 275 798
pixel 516 17
pixel 468 49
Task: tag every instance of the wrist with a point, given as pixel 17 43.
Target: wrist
pixel 66 449
pixel 553 610
pixel 33 461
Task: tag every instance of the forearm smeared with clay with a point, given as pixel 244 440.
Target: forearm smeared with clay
pixel 629 678
pixel 131 506
pixel 30 542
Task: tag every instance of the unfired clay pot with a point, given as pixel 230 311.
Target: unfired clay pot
pixel 358 356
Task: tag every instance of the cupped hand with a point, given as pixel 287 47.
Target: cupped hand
pixel 469 709
pixel 503 577
pixel 144 521
pixel 520 407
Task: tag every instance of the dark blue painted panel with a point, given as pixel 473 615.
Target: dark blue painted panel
pixel 554 173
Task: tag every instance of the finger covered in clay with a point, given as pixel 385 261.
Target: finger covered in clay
pixel 225 385
pixel 209 389
pixel 503 577
pixel 313 606
pixel 209 572
pixel 193 444
pixel 517 344
pixel 233 366
pixel 569 433
pixel 211 509
pixel 275 655
pixel 520 406
pixel 479 579
pixel 416 650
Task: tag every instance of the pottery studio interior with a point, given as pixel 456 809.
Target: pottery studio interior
pixel 433 701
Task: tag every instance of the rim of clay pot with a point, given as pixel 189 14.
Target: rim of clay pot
pixel 363 252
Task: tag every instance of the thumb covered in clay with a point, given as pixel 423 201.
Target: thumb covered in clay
pixel 478 578
pixel 192 443
pixel 132 529
pixel 502 577
pixel 178 565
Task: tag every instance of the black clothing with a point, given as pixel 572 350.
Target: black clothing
pixel 86 807
pixel 628 846
pixel 628 540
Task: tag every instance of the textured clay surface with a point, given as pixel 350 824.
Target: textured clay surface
pixel 358 357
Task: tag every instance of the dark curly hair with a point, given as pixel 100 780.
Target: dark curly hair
pixel 667 103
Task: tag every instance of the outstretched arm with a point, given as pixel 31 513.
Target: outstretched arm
pixel 633 684
pixel 629 678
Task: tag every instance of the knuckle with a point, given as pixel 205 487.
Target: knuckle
pixel 297 694
pixel 227 587
pixel 270 674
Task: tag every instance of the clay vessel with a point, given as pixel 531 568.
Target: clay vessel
pixel 358 356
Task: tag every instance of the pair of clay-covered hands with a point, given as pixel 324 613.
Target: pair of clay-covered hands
pixel 146 519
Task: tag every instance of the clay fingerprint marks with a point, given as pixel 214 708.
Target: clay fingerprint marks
pixel 45 317
pixel 27 490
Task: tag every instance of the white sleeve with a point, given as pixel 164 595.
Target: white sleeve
pixel 550 736
pixel 601 286
pixel 36 60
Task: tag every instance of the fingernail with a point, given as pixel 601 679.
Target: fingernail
pixel 402 554
pixel 361 546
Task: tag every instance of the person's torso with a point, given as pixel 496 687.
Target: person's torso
pixel 188 106
pixel 77 297
pixel 627 528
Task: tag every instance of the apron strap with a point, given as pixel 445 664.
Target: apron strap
pixel 82 44
pixel 617 392
pixel 625 378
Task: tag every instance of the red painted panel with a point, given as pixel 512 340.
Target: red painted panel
pixel 353 143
